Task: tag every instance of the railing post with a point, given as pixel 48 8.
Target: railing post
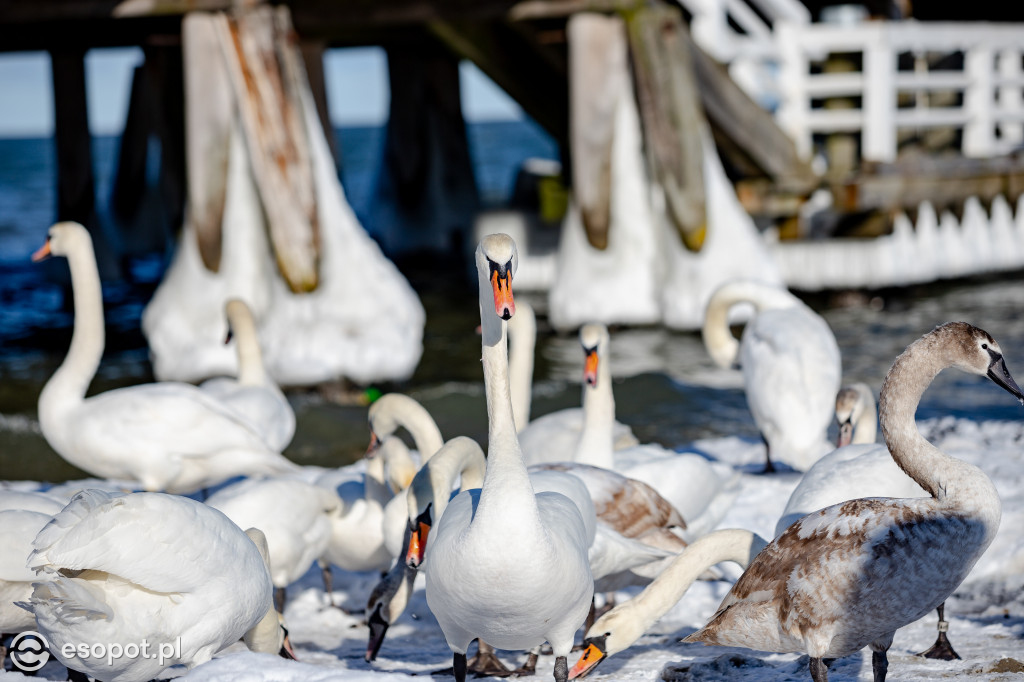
pixel 878 139
pixel 1011 99
pixel 794 104
pixel 979 131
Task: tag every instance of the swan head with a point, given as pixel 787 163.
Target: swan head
pixel 419 529
pixel 978 353
pixel 849 407
pixel 62 239
pixel 387 602
pixel 594 339
pixel 497 259
pixel 387 414
pixel 610 634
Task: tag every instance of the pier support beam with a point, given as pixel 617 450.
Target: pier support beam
pixel 75 187
pixel 427 195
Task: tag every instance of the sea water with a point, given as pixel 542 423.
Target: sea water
pixel 665 385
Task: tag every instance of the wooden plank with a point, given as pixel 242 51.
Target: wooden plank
pixel 672 116
pixel 734 115
pixel 598 63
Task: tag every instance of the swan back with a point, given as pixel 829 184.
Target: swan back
pixel 721 345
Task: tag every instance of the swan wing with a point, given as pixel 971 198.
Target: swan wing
pixel 173 416
pixel 160 542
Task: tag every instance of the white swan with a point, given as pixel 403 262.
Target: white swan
pixel 507 565
pixel 850 575
pixel 168 436
pixel 253 395
pixel 554 436
pixel 857 415
pixel 688 481
pixel 619 628
pixel 22 516
pixel 632 529
pixel 359 539
pixel 861 469
pixel 296 517
pixel 791 368
pixel 149 569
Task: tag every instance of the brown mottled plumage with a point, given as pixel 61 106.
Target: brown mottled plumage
pixel 848 576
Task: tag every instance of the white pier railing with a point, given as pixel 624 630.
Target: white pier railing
pixel 984 88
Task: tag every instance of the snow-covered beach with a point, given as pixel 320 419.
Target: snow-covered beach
pixel 986 613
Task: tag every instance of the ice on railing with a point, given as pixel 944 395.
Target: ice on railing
pixel 935 247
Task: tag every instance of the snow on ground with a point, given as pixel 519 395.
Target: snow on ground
pixel 986 614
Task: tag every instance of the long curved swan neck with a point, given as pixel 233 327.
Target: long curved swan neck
pixel 721 345
pixel 251 371
pixel 865 429
pixel 506 482
pixel 407 412
pixel 267 635
pixel 522 331
pixel 595 445
pixel 460 457
pixel 641 612
pixel 72 378
pixel 912 373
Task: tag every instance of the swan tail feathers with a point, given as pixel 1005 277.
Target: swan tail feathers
pixel 67 601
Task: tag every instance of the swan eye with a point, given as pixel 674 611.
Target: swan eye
pixel 985 346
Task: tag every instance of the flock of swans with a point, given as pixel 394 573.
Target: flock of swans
pixel 513 544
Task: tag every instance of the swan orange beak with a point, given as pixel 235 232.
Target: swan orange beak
pixel 590 367
pixel 504 304
pixel 591 656
pixel 43 253
pixel 845 434
pixel 417 546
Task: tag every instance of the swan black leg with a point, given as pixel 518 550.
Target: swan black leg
pixel 561 669
pixel 325 573
pixel 879 665
pixel 942 649
pixel 819 671
pixel 769 468
pixel 459 667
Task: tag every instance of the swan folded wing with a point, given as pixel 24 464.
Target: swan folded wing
pixel 629 506
pixel 141 538
pixel 17 530
pixel 176 417
pixel 848 563
pixel 561 516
